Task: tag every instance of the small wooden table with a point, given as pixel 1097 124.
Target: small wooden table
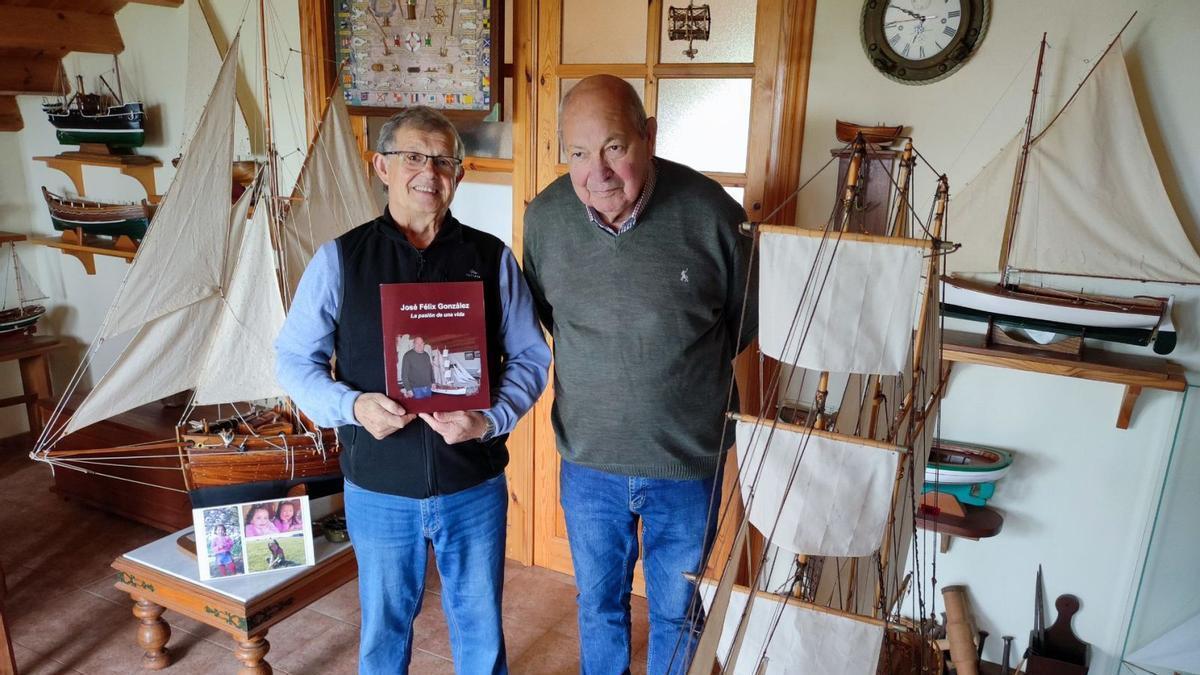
pixel 31 354
pixel 160 576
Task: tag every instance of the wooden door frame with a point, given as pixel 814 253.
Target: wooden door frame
pixel 780 73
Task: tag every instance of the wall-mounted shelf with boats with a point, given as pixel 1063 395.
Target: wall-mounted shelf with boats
pixel 1135 372
pixel 138 167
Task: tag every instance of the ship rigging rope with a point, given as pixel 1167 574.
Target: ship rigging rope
pixel 881 579
pixel 695 600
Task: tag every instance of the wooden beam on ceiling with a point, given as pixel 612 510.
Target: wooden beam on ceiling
pixel 30 75
pixel 10 114
pixel 49 30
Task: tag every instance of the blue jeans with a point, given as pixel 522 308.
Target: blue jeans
pixel 390 536
pixel 422 392
pixel 602 511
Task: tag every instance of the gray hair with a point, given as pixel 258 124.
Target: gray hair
pixel 419 117
pixel 634 110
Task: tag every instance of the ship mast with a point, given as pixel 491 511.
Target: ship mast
pixel 273 215
pixel 1014 201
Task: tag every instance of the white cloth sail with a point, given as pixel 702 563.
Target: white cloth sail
pixel 240 365
pixel 182 257
pixel 172 353
pixel 1093 201
pixel 795 638
pixel 977 212
pixel 856 300
pixel 203 65
pixel 815 493
pixel 331 196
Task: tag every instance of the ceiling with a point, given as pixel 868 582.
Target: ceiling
pixel 36 34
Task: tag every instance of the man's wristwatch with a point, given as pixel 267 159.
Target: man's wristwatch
pixel 489 429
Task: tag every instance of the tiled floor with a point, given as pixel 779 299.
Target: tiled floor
pixel 66 617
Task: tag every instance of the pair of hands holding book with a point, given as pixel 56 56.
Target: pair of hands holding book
pixel 381 417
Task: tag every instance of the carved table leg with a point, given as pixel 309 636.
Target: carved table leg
pixel 152 635
pixel 250 653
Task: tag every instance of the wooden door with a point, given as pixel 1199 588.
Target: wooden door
pixel 749 79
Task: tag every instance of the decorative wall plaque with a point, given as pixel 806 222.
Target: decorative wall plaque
pixel 441 53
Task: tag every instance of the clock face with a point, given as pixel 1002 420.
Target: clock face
pixel 921 29
pixel 921 41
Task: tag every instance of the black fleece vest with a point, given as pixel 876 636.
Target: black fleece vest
pixel 414 461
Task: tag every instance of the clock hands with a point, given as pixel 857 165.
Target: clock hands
pixel 909 12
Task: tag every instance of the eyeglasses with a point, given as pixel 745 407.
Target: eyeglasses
pixel 416 161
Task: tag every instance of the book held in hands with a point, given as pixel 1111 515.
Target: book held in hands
pixel 435 346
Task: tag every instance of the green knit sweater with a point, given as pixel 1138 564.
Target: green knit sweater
pixel 645 324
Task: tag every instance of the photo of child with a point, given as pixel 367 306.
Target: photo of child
pixel 259 520
pixel 224 542
pixel 274 553
pixel 288 517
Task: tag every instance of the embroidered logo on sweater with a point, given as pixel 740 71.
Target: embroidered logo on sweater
pixel 683 277
pixel 472 274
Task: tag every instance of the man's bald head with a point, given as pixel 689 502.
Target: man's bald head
pixel 609 88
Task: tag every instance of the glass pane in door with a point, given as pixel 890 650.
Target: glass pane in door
pixel 704 123
pixel 613 31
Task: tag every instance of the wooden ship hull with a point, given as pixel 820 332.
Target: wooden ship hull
pixel 99 218
pixel 262 456
pixel 880 135
pixel 256 457
pixel 117 126
pixel 962 463
pixel 1137 321
pixel 20 319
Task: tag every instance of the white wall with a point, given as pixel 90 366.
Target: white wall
pixel 154 68
pixel 1081 495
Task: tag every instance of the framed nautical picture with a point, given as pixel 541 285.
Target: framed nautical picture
pixel 444 54
pixel 239 539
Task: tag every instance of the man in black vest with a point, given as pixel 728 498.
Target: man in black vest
pixel 414 482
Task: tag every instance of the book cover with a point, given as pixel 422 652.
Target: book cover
pixel 435 346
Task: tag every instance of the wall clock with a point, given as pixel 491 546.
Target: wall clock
pixel 922 41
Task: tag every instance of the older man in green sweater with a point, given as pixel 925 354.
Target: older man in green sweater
pixel 639 273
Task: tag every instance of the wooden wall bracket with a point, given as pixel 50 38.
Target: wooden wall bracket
pixel 1135 372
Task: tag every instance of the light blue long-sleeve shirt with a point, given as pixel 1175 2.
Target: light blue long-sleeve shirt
pixel 305 346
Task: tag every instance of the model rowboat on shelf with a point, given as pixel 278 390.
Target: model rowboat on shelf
pixel 98 218
pixel 880 135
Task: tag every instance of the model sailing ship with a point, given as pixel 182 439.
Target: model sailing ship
pixel 1083 197
pixel 203 301
pixel 854 319
pixel 20 313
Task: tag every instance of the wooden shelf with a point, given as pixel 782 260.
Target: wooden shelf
pixel 6 237
pixel 87 252
pixel 1135 372
pixel 138 167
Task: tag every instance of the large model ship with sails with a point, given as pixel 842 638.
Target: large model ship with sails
pixel 201 305
pixel 1082 197
pixel 852 318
